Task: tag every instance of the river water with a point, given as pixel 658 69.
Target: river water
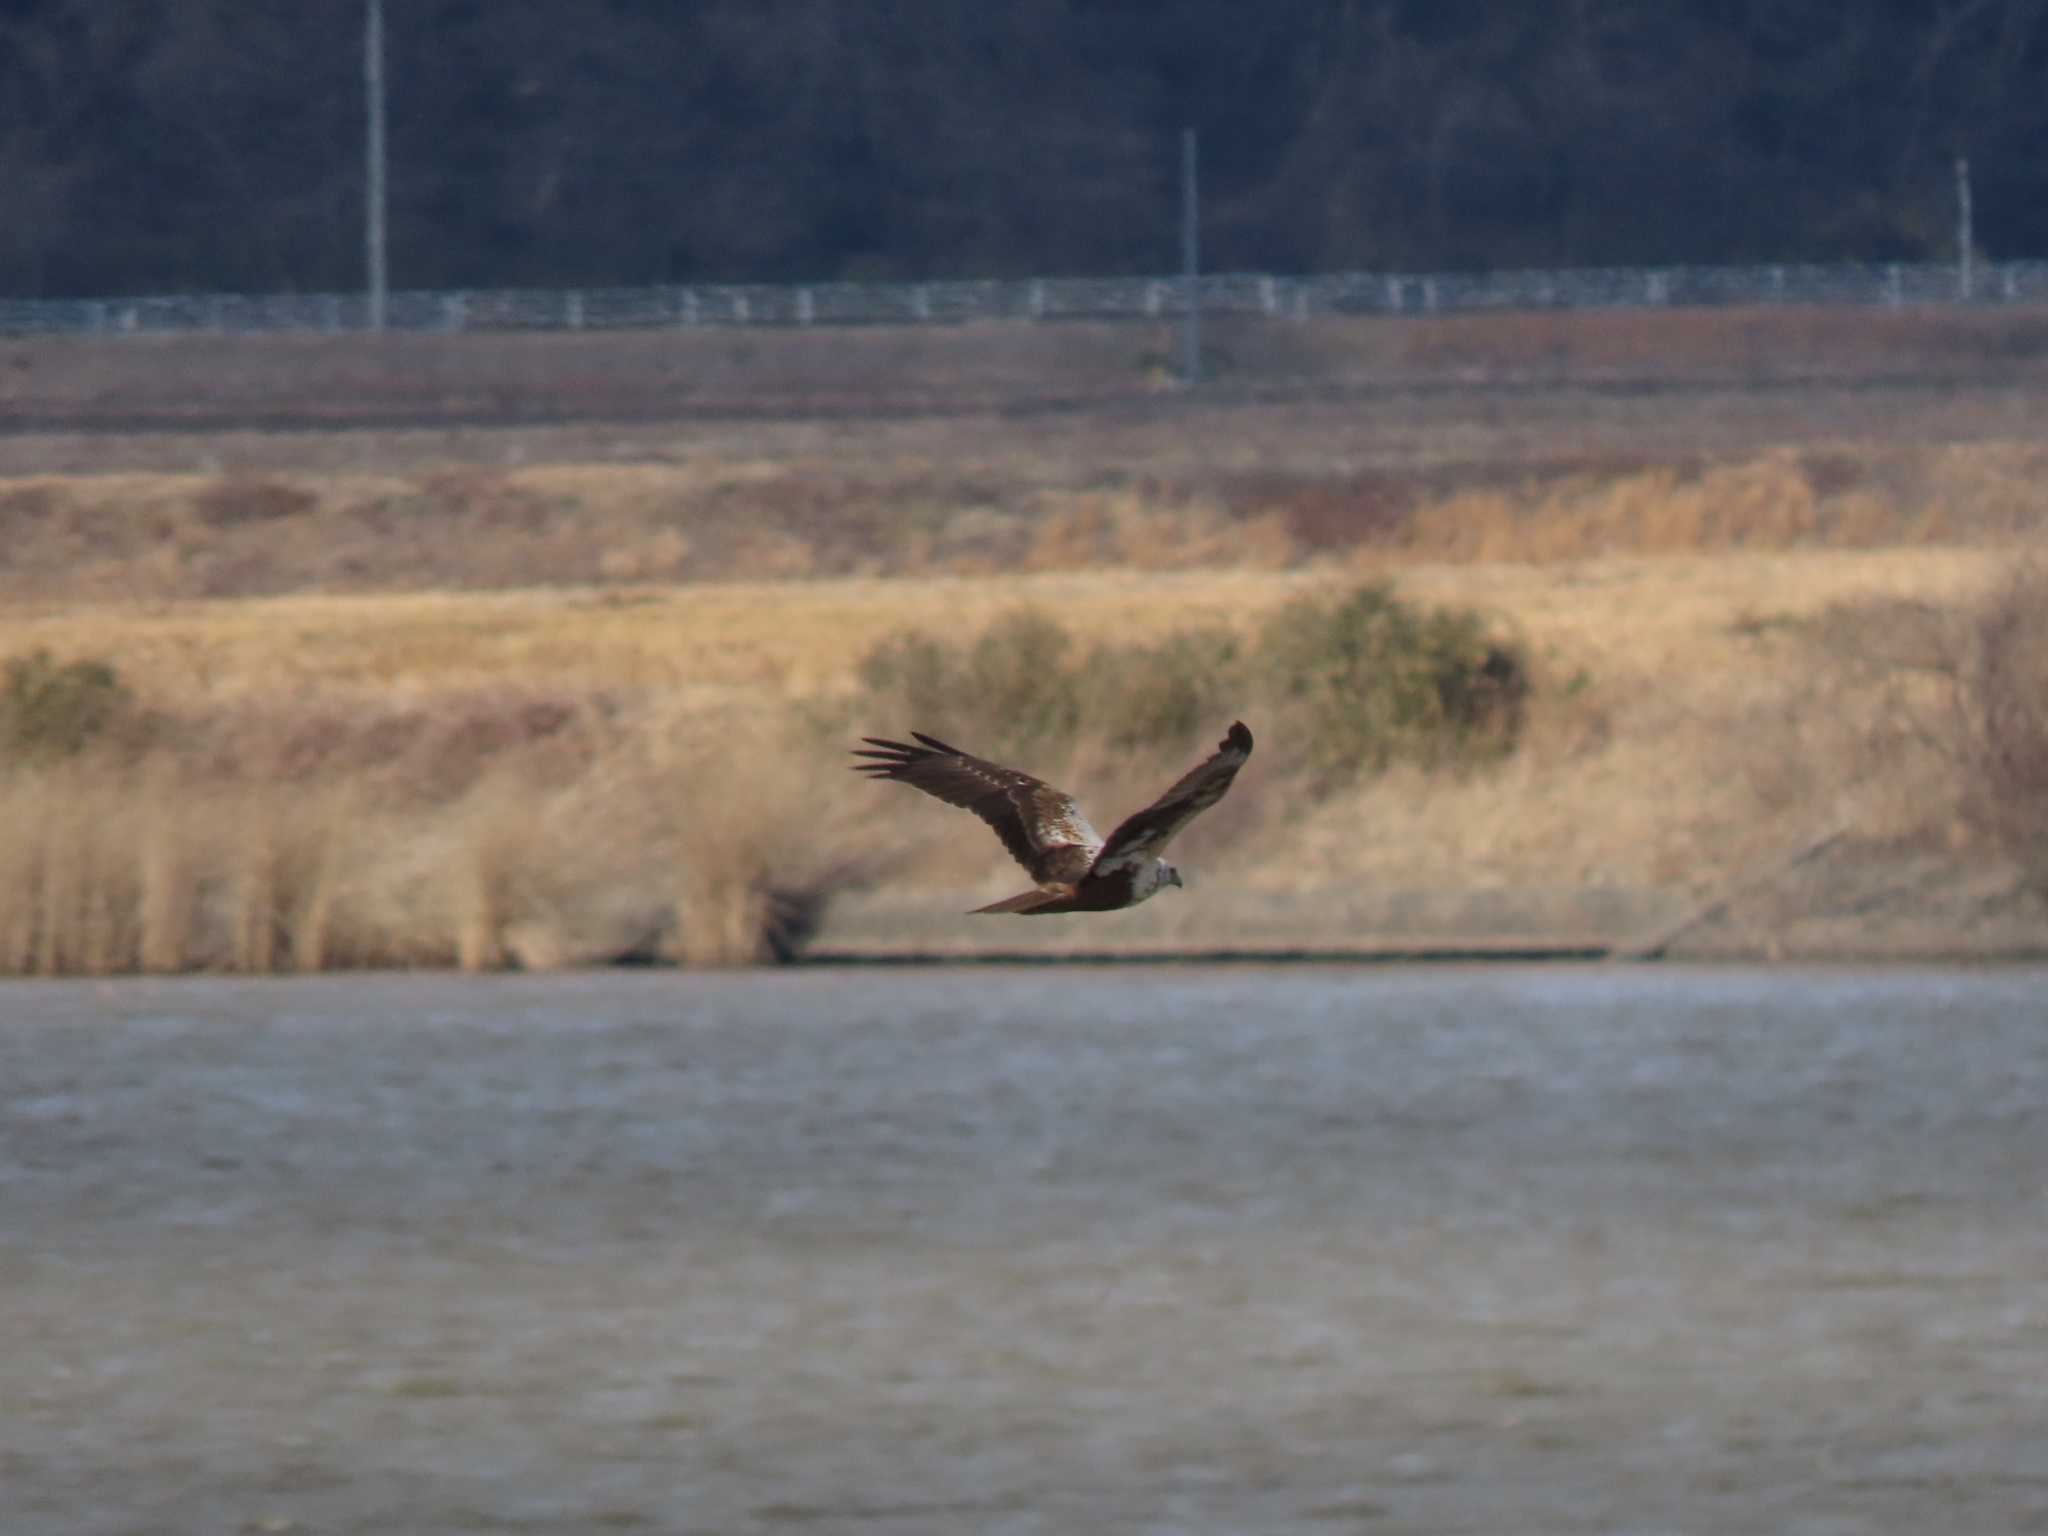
pixel 1034 1249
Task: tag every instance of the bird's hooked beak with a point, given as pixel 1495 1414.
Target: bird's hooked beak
pixel 1173 877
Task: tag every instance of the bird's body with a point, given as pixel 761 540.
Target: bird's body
pixel 1093 893
pixel 1073 869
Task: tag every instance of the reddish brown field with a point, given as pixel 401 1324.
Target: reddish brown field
pixel 413 380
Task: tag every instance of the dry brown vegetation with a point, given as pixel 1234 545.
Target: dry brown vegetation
pixel 2004 701
pixel 1691 714
pixel 157 537
pixel 481 831
pixel 1968 691
pixel 405 699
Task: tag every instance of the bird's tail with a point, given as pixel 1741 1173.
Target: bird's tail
pixel 1025 901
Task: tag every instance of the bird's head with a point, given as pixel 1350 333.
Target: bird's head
pixel 1168 875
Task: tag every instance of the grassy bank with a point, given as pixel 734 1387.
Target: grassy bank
pixel 466 689
pixel 544 778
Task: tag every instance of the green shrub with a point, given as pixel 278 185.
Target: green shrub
pixel 1372 680
pixel 1024 686
pixel 48 710
pixel 1167 695
pixel 1018 671
pixel 1012 687
pixel 1366 682
pixel 909 674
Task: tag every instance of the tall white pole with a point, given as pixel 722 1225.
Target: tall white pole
pixel 1965 236
pixel 1190 261
pixel 373 211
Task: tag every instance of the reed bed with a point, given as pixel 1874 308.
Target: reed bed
pixel 300 848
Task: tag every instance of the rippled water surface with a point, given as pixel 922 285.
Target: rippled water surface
pixel 1022 1250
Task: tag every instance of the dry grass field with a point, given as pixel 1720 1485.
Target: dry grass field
pixel 545 694
pixel 145 536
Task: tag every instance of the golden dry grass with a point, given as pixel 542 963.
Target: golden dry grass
pixel 133 537
pixel 1785 498
pixel 550 778
pixel 654 847
pixel 757 643
pixel 730 643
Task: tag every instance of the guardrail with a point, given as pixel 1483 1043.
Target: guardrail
pixel 1894 285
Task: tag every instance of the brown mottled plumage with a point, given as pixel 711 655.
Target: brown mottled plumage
pixel 1074 870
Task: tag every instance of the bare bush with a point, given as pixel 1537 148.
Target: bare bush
pixel 235 500
pixel 2001 697
pixel 1950 738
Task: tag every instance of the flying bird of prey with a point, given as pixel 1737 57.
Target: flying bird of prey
pixel 1075 869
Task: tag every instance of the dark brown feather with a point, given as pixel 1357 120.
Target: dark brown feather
pixel 1042 827
pixel 1145 834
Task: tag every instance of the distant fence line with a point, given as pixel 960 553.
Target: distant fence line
pixel 1041 299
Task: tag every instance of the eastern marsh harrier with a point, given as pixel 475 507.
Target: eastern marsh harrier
pixel 1075 870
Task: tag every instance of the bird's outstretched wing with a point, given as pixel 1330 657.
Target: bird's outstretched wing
pixel 1041 826
pixel 1146 833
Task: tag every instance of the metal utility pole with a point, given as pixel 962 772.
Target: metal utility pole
pixel 1965 255
pixel 1190 261
pixel 373 200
